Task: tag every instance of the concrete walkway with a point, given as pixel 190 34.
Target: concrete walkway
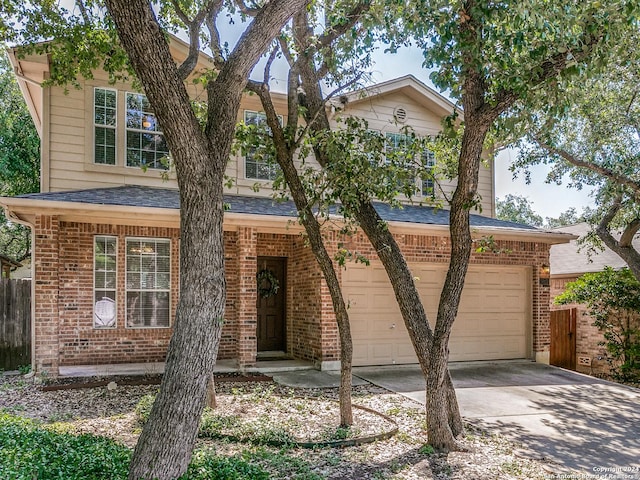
pixel 571 420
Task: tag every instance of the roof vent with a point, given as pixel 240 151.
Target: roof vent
pixel 400 114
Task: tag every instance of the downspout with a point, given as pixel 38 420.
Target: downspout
pixel 15 219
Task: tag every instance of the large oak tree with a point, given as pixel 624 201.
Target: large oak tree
pixel 78 43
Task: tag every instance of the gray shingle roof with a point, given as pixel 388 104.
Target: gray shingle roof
pixel 139 196
pixel 569 258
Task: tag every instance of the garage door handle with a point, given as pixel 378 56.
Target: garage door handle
pixel 393 325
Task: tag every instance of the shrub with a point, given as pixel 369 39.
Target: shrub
pixel 613 298
pixel 29 451
pixel 143 408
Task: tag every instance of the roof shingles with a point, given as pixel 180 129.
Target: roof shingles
pixel 140 196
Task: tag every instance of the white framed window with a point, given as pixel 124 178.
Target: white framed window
pixel 105 124
pixel 428 184
pixel 257 166
pixel 105 273
pixel 395 142
pixel 148 282
pixel 145 143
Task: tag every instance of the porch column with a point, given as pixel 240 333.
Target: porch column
pixel 330 338
pixel 247 296
pixel 46 320
pixel 541 312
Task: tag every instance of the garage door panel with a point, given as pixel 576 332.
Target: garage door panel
pixel 498 348
pixel 491 324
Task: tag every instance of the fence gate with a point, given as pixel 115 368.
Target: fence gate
pixel 563 338
pixel 15 323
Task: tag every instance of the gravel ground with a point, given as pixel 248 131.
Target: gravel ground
pixel 109 411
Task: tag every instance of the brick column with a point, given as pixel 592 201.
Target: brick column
pixel 46 321
pixel 540 314
pixel 247 296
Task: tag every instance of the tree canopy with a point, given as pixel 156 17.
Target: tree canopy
pixel 19 159
pixel 595 141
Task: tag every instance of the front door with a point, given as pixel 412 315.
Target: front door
pixel 271 303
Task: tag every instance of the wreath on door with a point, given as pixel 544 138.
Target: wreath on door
pixel 268 284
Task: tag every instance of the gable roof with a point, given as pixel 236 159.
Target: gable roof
pixel 571 259
pixel 412 87
pixel 32 69
pixel 139 201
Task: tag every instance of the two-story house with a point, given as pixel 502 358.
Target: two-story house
pixel 106 243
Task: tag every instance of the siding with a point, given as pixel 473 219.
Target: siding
pixel 70 150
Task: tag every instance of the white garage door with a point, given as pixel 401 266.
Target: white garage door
pixel 492 320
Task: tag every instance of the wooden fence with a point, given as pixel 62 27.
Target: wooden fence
pixel 15 323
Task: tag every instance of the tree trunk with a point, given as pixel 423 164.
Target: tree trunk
pixel 383 242
pixel 164 448
pixel 211 393
pixel 285 157
pixel 442 436
pixel 626 252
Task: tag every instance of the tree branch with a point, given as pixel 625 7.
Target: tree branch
pixel 257 37
pixel 214 41
pixel 573 160
pixel 629 232
pixel 83 11
pixel 250 12
pixel 208 11
pixel 335 31
pixel 267 67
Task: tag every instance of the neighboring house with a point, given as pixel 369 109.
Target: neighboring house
pixel 568 262
pixel 106 243
pixel 7 265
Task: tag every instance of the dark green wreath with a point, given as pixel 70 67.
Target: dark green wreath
pixel 268 284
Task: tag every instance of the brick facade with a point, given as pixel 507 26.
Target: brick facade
pixel 65 334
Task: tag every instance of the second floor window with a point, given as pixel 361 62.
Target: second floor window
pixel 145 144
pixel 104 125
pixel 257 166
pixel 428 183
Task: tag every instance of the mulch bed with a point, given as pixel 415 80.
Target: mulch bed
pixel 133 380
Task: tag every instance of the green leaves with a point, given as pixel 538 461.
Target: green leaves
pixel 613 298
pixel 516 208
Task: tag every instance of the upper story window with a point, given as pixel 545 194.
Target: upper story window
pixel 428 182
pixel 105 125
pixel 256 166
pixel 396 142
pixel 146 146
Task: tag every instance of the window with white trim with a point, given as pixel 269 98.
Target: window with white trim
pixel 148 282
pixel 257 166
pixel 104 125
pixel 145 143
pixel 428 182
pixel 105 273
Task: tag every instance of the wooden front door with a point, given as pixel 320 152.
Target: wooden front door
pixel 563 339
pixel 271 303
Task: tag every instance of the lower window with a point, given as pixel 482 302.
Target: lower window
pixel 148 282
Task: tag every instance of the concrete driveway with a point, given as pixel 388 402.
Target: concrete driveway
pixel 571 420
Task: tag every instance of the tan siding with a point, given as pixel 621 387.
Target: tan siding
pixel 71 150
